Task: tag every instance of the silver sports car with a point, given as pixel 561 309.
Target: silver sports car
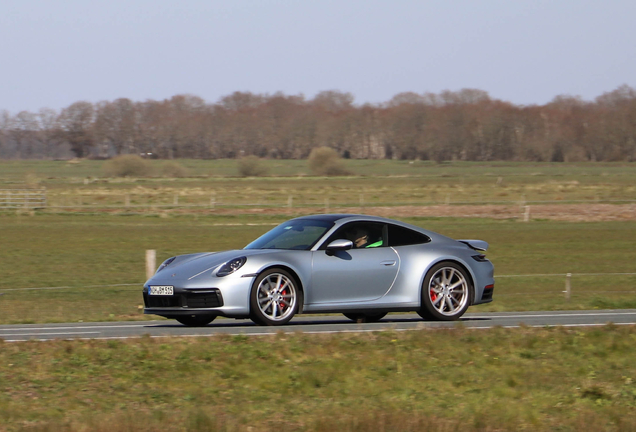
pixel 361 266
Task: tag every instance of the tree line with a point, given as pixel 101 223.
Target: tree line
pixel 453 125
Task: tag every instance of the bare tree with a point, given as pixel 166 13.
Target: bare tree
pixel 452 125
pixel 76 122
pixel 409 98
pixel 5 124
pixel 333 100
pixel 115 125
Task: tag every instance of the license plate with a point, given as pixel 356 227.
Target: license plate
pixel 161 290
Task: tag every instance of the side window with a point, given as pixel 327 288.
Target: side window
pixel 364 235
pixel 400 236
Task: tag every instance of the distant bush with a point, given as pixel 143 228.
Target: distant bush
pixel 173 169
pixel 325 161
pixel 32 180
pixel 251 166
pixel 127 166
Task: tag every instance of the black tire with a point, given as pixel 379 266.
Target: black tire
pixel 447 292
pixel 274 298
pixel 365 317
pixel 195 320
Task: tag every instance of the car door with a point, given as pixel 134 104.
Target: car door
pixel 361 274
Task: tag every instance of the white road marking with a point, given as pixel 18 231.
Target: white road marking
pixel 95 327
pixel 49 334
pixel 471 317
pixel 550 315
pixel 321 332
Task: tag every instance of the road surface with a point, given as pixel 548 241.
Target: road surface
pixel 309 324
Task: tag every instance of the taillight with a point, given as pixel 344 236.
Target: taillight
pixel 491 286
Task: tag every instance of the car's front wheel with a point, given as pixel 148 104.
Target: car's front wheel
pixel 195 320
pixel 274 298
pixel 446 292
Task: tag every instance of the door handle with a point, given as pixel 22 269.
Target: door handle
pixel 388 263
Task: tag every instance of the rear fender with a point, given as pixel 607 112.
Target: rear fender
pixel 459 262
pixel 478 245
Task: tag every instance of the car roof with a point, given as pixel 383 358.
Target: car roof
pixel 328 217
pixel 346 217
pixel 341 218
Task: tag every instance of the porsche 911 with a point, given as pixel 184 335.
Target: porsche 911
pixel 361 266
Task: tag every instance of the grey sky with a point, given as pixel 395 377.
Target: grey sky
pixel 56 52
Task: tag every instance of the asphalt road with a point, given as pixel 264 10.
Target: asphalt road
pixel 309 324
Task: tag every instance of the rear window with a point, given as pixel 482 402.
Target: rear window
pixel 400 236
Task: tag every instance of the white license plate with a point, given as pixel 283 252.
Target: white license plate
pixel 161 290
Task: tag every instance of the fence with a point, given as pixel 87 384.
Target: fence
pixel 213 201
pixel 567 292
pixel 22 198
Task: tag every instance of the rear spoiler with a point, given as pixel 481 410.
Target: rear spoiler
pixel 478 245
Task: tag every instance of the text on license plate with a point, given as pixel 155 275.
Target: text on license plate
pixel 161 290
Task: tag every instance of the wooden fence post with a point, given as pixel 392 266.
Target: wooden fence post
pixel 151 263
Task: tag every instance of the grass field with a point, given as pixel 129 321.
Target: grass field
pixel 441 380
pixel 91 263
pixel 15 171
pixel 84 251
pixel 376 182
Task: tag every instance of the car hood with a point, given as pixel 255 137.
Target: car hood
pixel 188 267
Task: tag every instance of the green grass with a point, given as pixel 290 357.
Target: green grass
pixel 88 247
pixel 541 379
pixel 81 251
pixel 15 170
pixel 442 380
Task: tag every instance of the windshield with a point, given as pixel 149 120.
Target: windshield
pixel 295 234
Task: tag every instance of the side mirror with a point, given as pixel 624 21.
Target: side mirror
pixel 338 245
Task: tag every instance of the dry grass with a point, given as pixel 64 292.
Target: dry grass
pixel 375 184
pixel 128 166
pixel 251 166
pixel 325 161
pixel 173 169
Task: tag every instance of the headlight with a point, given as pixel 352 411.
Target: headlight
pixel 165 264
pixel 231 266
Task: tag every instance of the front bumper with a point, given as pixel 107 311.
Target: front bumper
pixel 206 299
pixel 230 298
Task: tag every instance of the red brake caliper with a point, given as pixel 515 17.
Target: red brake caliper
pixel 433 295
pixel 281 304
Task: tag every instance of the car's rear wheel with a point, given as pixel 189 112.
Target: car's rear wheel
pixel 274 298
pixel 365 317
pixel 446 292
pixel 195 320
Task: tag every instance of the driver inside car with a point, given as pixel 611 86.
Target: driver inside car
pixel 360 239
